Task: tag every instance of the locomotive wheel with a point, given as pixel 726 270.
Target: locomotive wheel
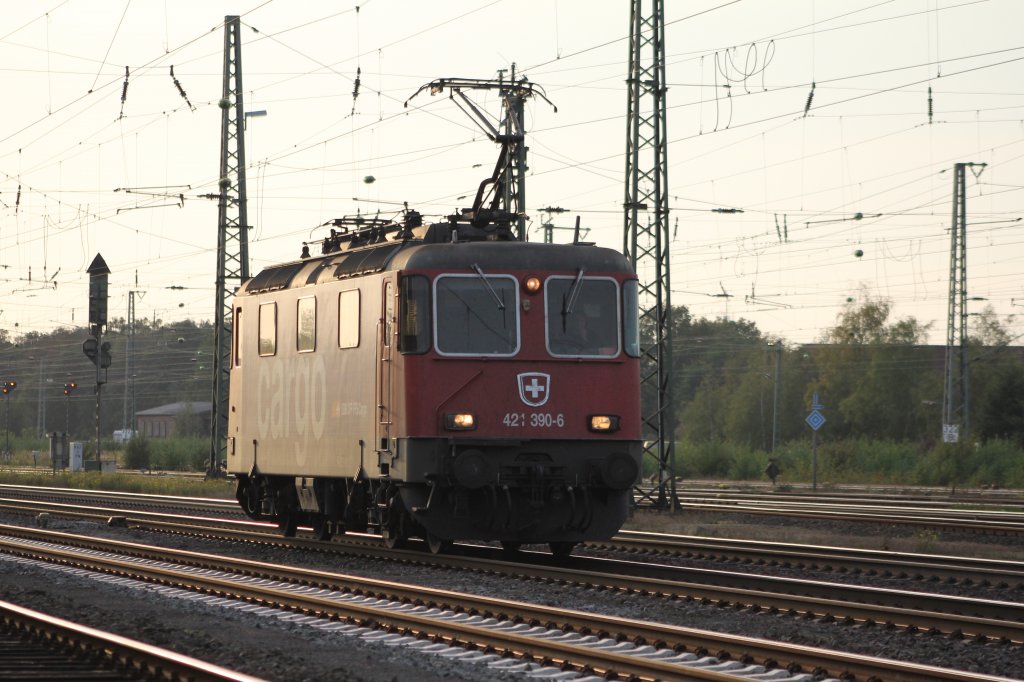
pixel 510 545
pixel 436 545
pixel 322 528
pixel 561 549
pixel 288 525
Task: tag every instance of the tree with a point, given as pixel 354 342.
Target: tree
pixel 872 375
pixel 996 380
pixel 1000 413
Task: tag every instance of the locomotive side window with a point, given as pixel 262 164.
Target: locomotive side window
pixel 268 329
pixel 414 315
pixel 237 333
pixel 582 316
pixel 476 314
pixel 389 314
pixel 348 319
pixel 305 331
pixel 630 315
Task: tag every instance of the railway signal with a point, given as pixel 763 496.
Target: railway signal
pixel 70 388
pixel 8 389
pixel 94 347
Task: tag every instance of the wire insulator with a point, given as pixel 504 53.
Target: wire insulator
pixel 355 90
pixel 930 105
pixel 124 91
pixel 181 90
pixel 810 98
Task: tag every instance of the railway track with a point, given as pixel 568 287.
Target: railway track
pixel 919 568
pixel 1004 517
pixel 915 611
pixel 36 646
pixel 557 639
pixel 1000 515
pixel 887 564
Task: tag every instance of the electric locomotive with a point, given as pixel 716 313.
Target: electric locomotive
pixel 442 381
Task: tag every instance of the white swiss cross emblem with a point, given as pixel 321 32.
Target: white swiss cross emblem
pixel 534 388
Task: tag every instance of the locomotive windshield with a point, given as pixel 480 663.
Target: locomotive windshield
pixel 582 316
pixel 476 314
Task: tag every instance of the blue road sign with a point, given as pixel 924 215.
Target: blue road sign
pixel 815 419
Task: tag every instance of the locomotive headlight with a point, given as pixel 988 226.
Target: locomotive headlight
pixel 532 285
pixel 459 421
pixel 603 423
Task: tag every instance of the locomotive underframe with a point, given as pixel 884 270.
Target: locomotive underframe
pixel 512 491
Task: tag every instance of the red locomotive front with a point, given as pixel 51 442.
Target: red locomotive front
pixel 519 407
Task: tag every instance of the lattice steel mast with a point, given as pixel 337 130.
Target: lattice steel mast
pixel 956 395
pixel 128 418
pixel 646 236
pixel 232 232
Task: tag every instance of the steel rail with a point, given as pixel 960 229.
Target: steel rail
pixel 136 660
pixel 997 572
pixel 999 500
pixel 774 654
pixel 955 525
pixel 872 507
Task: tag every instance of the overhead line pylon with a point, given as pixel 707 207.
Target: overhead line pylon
pixel 647 238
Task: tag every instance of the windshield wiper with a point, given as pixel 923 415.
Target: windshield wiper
pixel 501 304
pixel 574 292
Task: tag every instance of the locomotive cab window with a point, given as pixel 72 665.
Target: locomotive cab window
pixel 348 319
pixel 268 329
pixel 305 331
pixel 582 316
pixel 476 314
pixel 631 315
pixel 414 315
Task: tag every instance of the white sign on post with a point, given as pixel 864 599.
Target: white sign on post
pixel 950 433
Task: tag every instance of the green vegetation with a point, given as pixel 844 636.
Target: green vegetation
pixel 126 483
pixel 882 388
pixel 736 393
pixel 995 463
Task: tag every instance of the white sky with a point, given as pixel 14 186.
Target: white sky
pixel 865 146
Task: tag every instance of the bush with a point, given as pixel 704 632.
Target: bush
pixel 138 454
pixel 746 464
pixel 996 463
pixel 720 460
pixel 181 454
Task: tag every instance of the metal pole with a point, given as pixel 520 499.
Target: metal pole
pixel 814 460
pixel 775 396
pixel 41 407
pixel 99 396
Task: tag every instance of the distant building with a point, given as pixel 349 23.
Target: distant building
pixel 172 419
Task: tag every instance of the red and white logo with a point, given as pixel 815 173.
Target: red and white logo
pixel 534 388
